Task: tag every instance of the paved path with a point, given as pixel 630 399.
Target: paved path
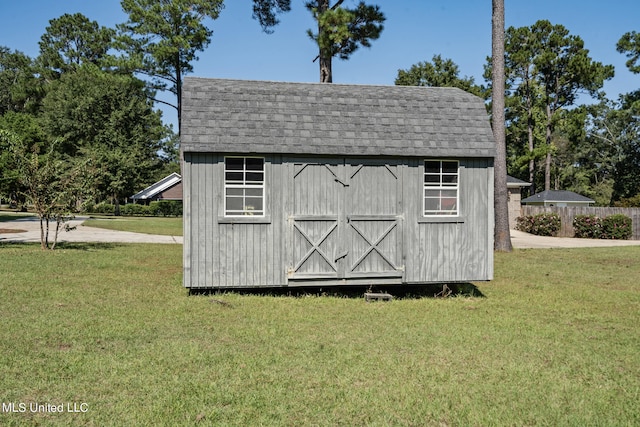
pixel 31 233
pixel 520 239
pixel 82 233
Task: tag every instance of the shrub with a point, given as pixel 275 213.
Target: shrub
pixel 629 202
pixel 166 208
pixel 133 209
pixel 587 226
pixel 616 227
pixel 102 208
pixel 543 224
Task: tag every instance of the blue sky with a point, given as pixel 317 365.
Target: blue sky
pixel 415 30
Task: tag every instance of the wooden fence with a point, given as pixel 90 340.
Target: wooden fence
pixel 568 213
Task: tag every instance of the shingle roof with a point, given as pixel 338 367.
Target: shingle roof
pixel 158 187
pixel 334 119
pixel 557 196
pixel 516 182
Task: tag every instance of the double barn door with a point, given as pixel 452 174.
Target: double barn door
pixel 346 220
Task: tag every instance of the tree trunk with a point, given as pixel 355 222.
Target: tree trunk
pixel 324 55
pixel 532 161
pixel 547 162
pixel 502 235
pixel 325 69
pixel 44 244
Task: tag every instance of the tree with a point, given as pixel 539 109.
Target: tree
pixel 626 122
pixel 162 38
pixel 25 128
pixel 547 69
pixel 521 47
pixel 20 90
pixel 341 31
pixel 502 240
pixel 110 120
pixel 629 44
pixel 72 40
pixel 437 73
pixel 564 69
pixel 51 185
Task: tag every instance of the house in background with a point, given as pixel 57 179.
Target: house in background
pixel 514 191
pixel 168 188
pixel 558 198
pixel 294 184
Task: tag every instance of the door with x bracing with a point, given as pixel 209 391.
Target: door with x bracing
pixel 345 221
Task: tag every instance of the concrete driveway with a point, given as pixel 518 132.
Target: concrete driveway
pixel 28 230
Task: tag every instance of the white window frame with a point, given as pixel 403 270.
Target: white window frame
pixel 444 183
pixel 243 186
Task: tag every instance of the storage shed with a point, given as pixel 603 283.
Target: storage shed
pixel 296 184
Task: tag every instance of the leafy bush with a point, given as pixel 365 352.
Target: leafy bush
pixel 612 227
pixel 543 224
pixel 166 208
pixel 159 208
pixel 616 227
pixel 133 209
pixel 630 202
pixel 587 226
pixel 102 208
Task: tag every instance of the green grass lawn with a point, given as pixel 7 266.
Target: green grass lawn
pixel 12 216
pixel 554 341
pixel 148 225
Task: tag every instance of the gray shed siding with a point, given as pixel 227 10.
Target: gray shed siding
pixel 226 253
pixel 344 184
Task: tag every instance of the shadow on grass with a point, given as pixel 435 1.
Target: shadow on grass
pixel 356 292
pixel 74 246
pixel 88 246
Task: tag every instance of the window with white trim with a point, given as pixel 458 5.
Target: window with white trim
pixel 441 195
pixel 243 186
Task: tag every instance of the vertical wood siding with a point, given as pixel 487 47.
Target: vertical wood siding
pixel 452 251
pixel 335 219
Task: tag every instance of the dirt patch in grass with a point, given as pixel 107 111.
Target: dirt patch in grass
pixel 11 230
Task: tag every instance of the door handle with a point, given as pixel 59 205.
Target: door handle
pixel 341 255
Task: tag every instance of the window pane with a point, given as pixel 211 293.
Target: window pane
pixel 234 203
pixel 233 176
pixel 255 176
pixel 432 167
pixel 449 205
pixel 235 192
pixel 432 179
pixel 255 164
pixel 253 204
pixel 450 167
pixel 431 205
pixel 449 179
pixel 234 163
pixel 431 193
pixel 253 192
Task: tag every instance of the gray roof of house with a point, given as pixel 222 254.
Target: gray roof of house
pixel 158 187
pixel 237 116
pixel 557 196
pixel 516 182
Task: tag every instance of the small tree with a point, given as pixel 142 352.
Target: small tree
pixel 51 186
